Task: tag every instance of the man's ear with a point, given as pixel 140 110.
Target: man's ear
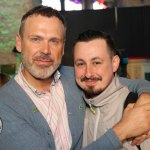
pixel 116 63
pixel 18 43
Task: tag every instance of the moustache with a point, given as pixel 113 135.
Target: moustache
pixel 43 57
pixel 91 79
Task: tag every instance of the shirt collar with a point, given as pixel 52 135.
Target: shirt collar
pixel 57 75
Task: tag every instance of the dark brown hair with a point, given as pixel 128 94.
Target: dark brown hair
pixel 43 11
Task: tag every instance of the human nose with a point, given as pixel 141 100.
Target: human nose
pixel 89 71
pixel 46 47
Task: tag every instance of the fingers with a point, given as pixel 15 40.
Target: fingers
pixel 130 106
pixel 135 121
pixel 147 134
pixel 138 140
pixel 140 116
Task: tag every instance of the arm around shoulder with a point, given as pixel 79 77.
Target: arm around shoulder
pixel 136 86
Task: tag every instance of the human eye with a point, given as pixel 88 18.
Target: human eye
pixel 35 39
pixel 55 41
pixel 96 63
pixel 80 64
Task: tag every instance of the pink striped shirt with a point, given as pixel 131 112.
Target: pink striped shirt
pixel 52 105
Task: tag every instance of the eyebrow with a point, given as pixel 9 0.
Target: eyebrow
pixel 77 60
pixel 38 36
pixel 95 58
pixel 41 37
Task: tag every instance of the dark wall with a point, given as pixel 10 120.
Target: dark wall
pixel 133 32
pixel 130 33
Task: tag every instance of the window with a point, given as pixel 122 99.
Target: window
pixel 73 4
pixel 52 3
pixel 70 5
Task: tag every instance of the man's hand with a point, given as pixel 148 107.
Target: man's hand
pixel 143 99
pixel 134 122
pixel 139 139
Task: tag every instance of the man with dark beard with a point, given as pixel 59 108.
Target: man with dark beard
pixel 42 108
pixel 96 62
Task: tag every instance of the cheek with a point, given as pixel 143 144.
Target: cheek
pixel 27 49
pixel 101 71
pixel 78 76
pixel 106 72
pixel 28 53
pixel 107 76
pixel 26 56
pixel 108 68
pixel 57 53
pixel 78 73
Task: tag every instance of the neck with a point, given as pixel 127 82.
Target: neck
pixel 39 84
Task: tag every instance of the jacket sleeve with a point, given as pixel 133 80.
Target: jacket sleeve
pixel 136 86
pixel 109 141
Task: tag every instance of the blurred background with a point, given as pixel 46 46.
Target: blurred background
pixel 128 21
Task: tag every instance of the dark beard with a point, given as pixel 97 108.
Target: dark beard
pixel 91 78
pixel 90 93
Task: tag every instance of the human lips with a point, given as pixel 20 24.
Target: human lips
pixel 90 82
pixel 43 62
